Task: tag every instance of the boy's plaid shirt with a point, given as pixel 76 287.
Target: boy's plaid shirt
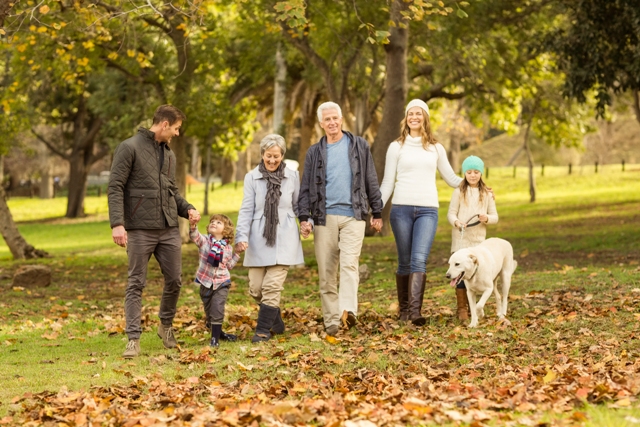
pixel 208 275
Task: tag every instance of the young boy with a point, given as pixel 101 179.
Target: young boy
pixel 216 259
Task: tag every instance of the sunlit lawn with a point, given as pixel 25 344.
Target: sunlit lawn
pixel 578 242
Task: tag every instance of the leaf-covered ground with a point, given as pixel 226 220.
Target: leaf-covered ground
pixel 570 356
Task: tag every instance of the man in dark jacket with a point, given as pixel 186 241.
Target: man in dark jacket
pixel 144 205
pixel 339 187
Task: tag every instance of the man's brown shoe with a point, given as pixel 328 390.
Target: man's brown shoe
pixel 132 350
pixel 166 333
pixel 332 330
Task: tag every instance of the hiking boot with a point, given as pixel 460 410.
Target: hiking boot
pixel 332 330
pixel 132 350
pixel 166 333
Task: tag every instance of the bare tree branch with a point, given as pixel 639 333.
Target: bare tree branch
pixel 424 70
pixel 347 69
pixel 49 145
pixel 104 150
pixel 96 125
pixel 157 24
pixel 439 92
pixel 302 44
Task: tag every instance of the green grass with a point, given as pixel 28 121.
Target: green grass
pixel 573 307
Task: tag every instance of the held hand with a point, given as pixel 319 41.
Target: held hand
pixel 119 236
pixel 305 229
pixel 194 216
pixel 376 224
pixel 483 218
pixel 240 247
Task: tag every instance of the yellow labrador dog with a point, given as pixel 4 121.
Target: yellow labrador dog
pixel 480 267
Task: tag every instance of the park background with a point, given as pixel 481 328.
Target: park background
pixel 546 92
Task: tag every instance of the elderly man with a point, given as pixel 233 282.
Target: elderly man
pixel 144 205
pixel 339 187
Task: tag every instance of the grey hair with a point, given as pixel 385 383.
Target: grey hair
pixel 328 106
pixel 273 140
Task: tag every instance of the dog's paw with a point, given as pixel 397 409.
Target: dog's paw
pixel 473 324
pixel 480 312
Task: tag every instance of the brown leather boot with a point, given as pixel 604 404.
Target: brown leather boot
pixel 402 286
pixel 463 304
pixel 417 282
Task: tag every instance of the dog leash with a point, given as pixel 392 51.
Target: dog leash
pixel 466 224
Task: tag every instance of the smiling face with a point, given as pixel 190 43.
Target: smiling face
pixel 216 228
pixel 166 131
pixel 272 158
pixel 415 119
pixel 473 177
pixel 332 124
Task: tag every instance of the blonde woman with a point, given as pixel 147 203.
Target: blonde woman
pixel 410 174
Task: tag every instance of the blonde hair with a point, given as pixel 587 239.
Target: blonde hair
pixel 227 232
pixel 464 185
pixel 425 131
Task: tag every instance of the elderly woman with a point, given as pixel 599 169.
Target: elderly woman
pixel 268 231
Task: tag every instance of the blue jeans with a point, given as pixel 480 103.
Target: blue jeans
pixel 414 228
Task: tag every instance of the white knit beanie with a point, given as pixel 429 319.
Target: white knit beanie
pixel 416 103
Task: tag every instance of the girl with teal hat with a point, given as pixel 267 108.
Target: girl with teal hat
pixel 472 207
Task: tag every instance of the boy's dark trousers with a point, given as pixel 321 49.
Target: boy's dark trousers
pixel 214 302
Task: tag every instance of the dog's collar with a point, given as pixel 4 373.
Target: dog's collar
pixel 474 272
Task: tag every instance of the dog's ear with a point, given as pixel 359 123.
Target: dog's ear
pixel 473 258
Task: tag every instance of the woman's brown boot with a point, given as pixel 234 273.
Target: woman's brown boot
pixel 417 282
pixel 463 304
pixel 402 286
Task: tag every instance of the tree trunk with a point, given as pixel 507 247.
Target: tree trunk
pixel 395 95
pixel 362 115
pixel 454 150
pixel 19 247
pixel 279 92
pixel 636 104
pixel 532 178
pixel 308 122
pixel 181 97
pixel 5 7
pixel 77 185
pixel 46 181
pixel 207 171
pixel 243 165
pixel 227 170
pixel 196 161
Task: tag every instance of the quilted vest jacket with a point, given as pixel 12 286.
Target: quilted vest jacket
pixel 141 196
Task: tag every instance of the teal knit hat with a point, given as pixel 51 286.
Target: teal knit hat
pixel 473 163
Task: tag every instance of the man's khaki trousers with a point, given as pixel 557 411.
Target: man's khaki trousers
pixel 339 242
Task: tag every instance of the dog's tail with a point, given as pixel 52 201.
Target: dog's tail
pixel 515 264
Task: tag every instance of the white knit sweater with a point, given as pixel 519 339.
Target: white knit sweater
pixel 463 210
pixel 410 173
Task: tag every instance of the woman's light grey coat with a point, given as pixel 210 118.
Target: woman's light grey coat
pixel 251 221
